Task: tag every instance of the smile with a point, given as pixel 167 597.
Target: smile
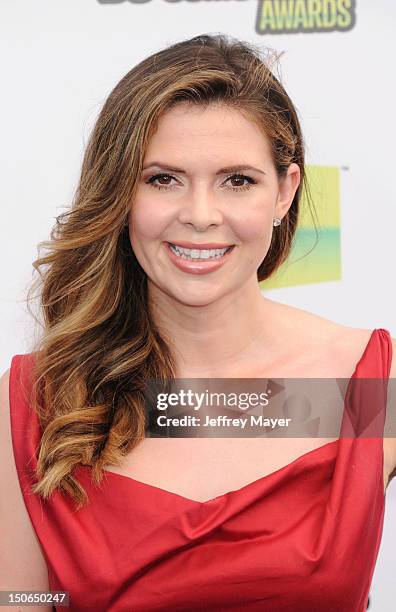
pixel 198 254
pixel 198 261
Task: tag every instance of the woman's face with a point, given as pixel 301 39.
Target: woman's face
pixel 196 188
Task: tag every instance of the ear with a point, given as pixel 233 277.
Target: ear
pixel 288 186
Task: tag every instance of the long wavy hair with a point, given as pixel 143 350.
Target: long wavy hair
pixel 99 344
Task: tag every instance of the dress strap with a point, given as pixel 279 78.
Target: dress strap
pixel 377 357
pixel 366 396
pixel 25 428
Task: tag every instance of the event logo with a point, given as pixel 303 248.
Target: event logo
pixel 290 16
pixel 315 256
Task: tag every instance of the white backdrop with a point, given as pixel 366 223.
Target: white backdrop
pixel 62 58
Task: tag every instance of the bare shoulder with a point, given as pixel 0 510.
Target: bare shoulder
pixel 339 348
pixel 21 558
pixel 334 347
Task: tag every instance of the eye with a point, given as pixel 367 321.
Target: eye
pixel 241 177
pixel 155 177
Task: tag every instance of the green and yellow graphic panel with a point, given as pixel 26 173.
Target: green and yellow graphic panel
pixel 315 256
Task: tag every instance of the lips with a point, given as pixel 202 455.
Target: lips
pixel 197 266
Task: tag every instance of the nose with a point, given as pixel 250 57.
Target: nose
pixel 200 209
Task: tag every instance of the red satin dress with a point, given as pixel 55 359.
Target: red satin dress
pixel 303 538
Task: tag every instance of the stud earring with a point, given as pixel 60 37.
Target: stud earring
pixel 277 222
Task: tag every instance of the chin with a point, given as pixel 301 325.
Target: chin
pixel 196 297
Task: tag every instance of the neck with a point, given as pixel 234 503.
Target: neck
pixel 217 337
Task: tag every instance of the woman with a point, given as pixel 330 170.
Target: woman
pixel 189 195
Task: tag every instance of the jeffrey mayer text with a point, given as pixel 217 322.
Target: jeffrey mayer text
pixel 222 421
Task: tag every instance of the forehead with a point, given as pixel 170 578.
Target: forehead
pixel 208 129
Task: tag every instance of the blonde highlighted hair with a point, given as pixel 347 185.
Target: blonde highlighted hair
pixel 99 344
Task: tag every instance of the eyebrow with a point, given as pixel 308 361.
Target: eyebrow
pixel 236 168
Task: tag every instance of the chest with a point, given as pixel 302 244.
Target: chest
pixel 203 468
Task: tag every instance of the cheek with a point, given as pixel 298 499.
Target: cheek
pixel 254 224
pixel 146 220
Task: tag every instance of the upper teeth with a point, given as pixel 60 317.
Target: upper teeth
pixel 199 253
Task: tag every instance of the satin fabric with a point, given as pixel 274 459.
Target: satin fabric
pixel 303 538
